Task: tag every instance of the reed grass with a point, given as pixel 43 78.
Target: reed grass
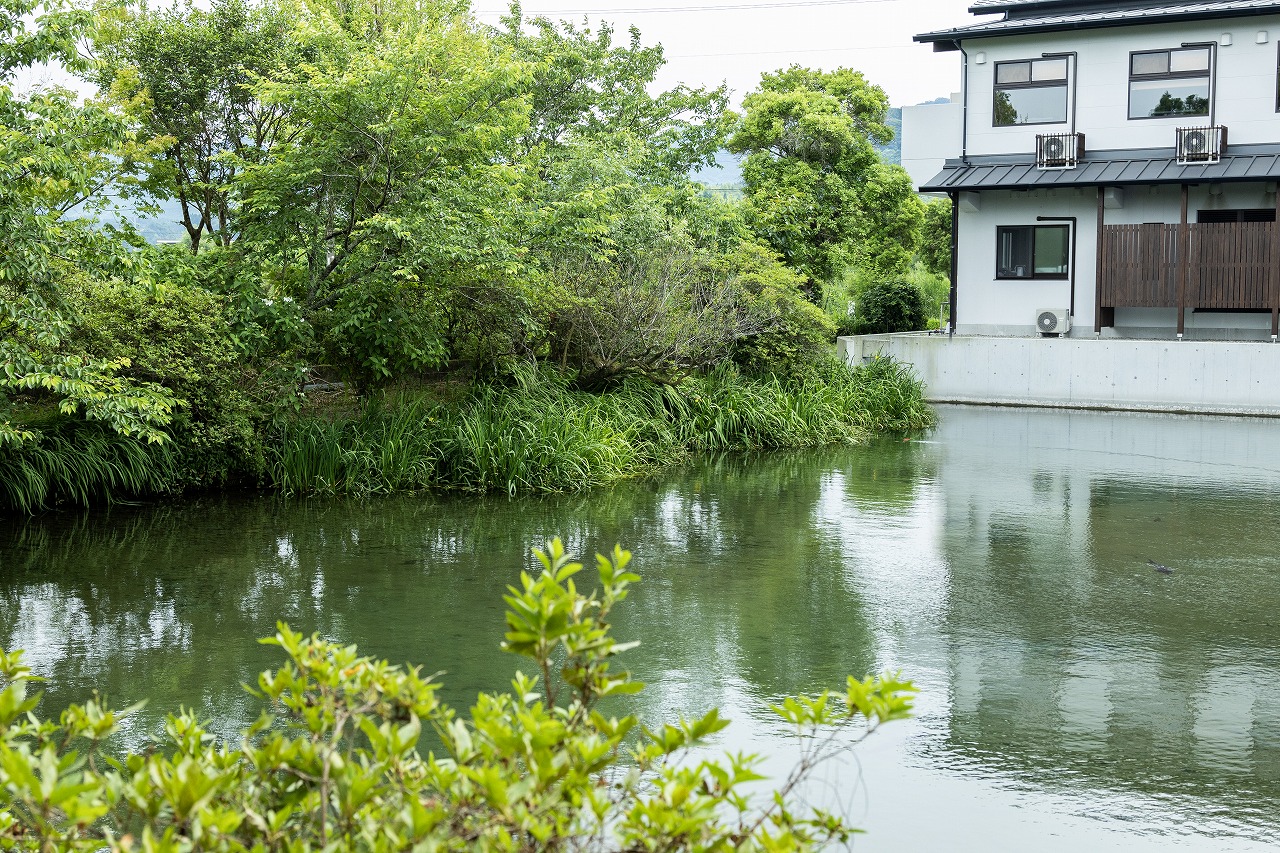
pixel 536 434
pixel 532 434
pixel 82 464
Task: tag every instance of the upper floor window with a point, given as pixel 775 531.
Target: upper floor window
pixel 1165 83
pixel 1031 91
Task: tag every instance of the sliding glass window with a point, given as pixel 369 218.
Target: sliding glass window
pixel 1032 251
pixel 1031 91
pixel 1169 83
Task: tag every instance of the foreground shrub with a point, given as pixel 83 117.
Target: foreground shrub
pixel 335 762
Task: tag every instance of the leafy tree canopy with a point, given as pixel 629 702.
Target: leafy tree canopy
pixel 816 189
pixel 58 155
pixel 587 90
pixel 195 69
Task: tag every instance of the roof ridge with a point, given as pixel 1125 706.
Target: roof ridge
pixel 1045 16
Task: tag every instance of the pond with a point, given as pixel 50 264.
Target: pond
pixel 1072 697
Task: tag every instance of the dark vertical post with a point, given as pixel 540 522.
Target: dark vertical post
pixel 1098 265
pixel 955 258
pixel 1184 258
pixel 1275 273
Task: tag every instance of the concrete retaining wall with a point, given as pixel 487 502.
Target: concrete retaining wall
pixel 1217 377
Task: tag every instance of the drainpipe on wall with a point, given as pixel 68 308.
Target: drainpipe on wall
pixel 955 259
pixel 1074 56
pixel 964 107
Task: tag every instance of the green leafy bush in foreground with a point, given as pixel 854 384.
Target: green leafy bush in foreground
pixel 334 763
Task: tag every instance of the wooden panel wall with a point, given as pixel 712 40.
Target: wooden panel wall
pixel 1229 266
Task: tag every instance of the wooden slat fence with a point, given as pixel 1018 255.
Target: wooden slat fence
pixel 1230 266
pixel 1140 266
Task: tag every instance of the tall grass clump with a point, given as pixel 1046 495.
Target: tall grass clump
pixel 536 433
pixel 82 464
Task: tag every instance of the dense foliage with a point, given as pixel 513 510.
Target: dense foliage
pixel 336 761
pixel 935 237
pixel 542 435
pixel 388 195
pixel 895 305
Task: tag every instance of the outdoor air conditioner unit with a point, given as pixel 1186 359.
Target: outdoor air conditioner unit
pixel 1059 150
pixel 1201 144
pixel 1053 321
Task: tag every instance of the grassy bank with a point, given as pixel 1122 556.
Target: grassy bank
pixel 531 433
pixel 537 434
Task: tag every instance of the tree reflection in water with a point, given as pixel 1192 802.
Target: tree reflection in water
pixel 1000 562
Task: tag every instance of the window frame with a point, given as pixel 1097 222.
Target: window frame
pixel 1208 75
pixel 997 87
pixel 1032 274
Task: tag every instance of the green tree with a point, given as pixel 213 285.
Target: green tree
pixel 58 156
pixel 935 237
pixel 335 763
pixel 389 191
pixel 811 172
pixel 195 69
pixel 892 216
pixel 587 90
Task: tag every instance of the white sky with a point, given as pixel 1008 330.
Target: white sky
pixel 712 41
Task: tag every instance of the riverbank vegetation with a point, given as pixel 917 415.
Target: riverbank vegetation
pixel 336 760
pixel 422 253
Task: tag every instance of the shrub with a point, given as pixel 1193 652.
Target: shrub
pixel 895 305
pixel 788 329
pixel 178 336
pixel 335 762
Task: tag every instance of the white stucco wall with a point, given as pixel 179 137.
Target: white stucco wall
pixel 1002 307
pixel 991 306
pixel 1142 375
pixel 930 135
pixel 1246 84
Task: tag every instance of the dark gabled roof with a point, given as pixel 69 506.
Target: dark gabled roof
pixel 1109 169
pixel 1045 16
pixel 986 7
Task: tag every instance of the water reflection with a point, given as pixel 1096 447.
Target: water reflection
pixel 1071 690
pixel 1071 662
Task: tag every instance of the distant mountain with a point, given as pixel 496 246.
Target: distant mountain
pixel 891 152
pixel 727 171
pixel 162 227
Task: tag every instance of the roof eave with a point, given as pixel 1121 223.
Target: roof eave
pixel 948 40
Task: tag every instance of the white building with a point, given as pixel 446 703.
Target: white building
pixel 1113 167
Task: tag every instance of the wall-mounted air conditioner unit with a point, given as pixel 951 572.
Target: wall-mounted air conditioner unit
pixel 1059 150
pixel 1053 321
pixel 1198 145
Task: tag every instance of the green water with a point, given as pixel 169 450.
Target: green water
pixel 1073 698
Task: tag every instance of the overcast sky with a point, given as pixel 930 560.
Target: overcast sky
pixel 712 41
